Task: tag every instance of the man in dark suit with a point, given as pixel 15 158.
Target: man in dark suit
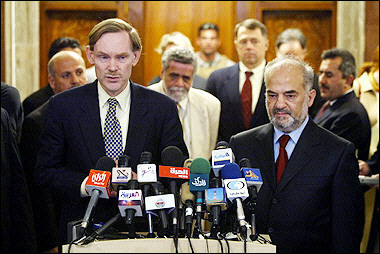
pixel 315 204
pixel 66 70
pixel 73 140
pixel 10 101
pixel 344 115
pixel 41 96
pixel 17 228
pixel 231 85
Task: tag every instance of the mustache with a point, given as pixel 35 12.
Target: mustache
pixel 277 110
pixel 324 86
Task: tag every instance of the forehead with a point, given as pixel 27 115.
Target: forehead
pixel 331 63
pixel 285 78
pixel 208 33
pixel 114 42
pixel 68 63
pixel 290 45
pixel 244 32
pixel 180 67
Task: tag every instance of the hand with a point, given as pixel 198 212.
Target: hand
pixel 363 168
pixel 377 185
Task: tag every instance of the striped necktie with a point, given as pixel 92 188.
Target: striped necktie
pixel 112 132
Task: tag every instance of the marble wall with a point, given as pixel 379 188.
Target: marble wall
pixel 22 41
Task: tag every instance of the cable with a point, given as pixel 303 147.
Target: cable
pixel 191 246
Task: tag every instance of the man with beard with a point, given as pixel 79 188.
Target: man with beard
pixel 240 88
pixel 311 199
pixel 198 110
pixel 342 114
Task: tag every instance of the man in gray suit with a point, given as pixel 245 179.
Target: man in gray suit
pixel 316 203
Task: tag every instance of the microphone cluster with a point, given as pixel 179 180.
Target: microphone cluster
pixel 182 198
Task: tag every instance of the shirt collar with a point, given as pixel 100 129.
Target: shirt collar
pixel 257 69
pixel 294 135
pixel 203 63
pixel 122 97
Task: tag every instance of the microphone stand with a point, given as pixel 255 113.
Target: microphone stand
pixel 151 234
pixel 252 210
pixel 102 229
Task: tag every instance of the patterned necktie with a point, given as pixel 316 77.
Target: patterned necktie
pixel 246 100
pixel 323 109
pixel 282 157
pixel 112 132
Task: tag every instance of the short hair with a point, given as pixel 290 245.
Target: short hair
pixel 176 38
pixel 348 66
pixel 114 25
pixel 208 26
pixel 291 34
pixel 252 24
pixel 289 60
pixel 179 54
pixel 65 54
pixel 61 43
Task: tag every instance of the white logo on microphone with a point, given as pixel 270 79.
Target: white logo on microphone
pixel 198 182
pixel 98 177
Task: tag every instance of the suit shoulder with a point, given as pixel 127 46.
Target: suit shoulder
pixel 206 96
pixel 254 132
pixel 221 73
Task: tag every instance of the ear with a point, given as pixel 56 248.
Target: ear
pixel 51 81
pixel 136 55
pixel 90 55
pixel 311 97
pixel 349 81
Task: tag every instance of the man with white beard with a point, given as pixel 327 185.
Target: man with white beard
pixel 198 110
pixel 311 198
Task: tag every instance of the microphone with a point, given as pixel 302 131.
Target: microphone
pixel 199 182
pixel 172 172
pixel 215 203
pixel 254 182
pixel 221 156
pixel 130 201
pixel 122 173
pixel 147 174
pixel 98 186
pixel 236 190
pixel 187 198
pixel 159 203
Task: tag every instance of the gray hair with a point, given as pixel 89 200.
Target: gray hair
pixel 291 34
pixel 348 65
pixel 176 38
pixel 179 54
pixel 287 61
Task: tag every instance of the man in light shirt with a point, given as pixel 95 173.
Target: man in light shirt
pixel 198 110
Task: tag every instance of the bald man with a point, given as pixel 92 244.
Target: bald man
pixel 66 70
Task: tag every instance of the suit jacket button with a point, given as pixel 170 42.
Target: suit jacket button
pixel 270 230
pixel 274 201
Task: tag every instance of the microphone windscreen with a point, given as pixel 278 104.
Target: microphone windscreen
pixel 221 145
pixel 231 171
pixel 123 160
pixel 185 193
pixel 200 166
pixel 105 163
pixel 172 156
pixel 146 157
pixel 245 163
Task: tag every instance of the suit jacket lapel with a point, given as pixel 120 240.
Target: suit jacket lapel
pixel 264 152
pixel 89 122
pixel 302 154
pixel 137 128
